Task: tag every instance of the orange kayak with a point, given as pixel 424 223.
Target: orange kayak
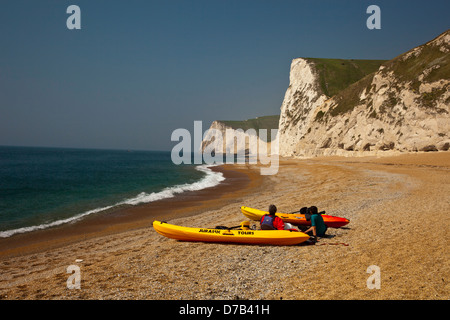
pixel 295 218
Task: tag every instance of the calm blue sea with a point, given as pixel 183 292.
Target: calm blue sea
pixel 44 187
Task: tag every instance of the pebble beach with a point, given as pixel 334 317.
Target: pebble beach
pixel 397 206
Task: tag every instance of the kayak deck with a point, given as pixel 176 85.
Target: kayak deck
pixel 295 218
pixel 261 237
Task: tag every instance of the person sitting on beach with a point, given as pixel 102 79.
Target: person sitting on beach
pixel 318 227
pixel 271 221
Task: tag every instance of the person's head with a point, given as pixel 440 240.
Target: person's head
pixel 304 210
pixel 313 210
pixel 272 209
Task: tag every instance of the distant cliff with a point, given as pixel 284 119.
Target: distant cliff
pixel 246 131
pixel 402 106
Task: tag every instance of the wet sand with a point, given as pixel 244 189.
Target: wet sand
pixel 397 206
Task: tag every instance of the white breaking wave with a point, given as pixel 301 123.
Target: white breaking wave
pixel 210 180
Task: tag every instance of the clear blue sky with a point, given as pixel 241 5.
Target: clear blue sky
pixel 137 70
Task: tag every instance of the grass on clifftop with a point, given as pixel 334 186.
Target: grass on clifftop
pixel 265 122
pixel 347 99
pixel 432 59
pixel 337 74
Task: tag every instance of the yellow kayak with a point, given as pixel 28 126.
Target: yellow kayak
pixel 246 236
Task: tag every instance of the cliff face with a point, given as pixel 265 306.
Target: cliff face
pixel 302 98
pixel 403 106
pixel 211 141
pixel 240 137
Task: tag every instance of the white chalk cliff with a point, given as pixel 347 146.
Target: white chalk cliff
pixel 404 106
pixel 355 107
pixel 241 137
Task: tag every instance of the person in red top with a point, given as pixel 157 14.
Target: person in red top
pixel 271 221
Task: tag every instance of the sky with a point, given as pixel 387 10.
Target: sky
pixel 138 70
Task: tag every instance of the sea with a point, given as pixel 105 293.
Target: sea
pixel 45 187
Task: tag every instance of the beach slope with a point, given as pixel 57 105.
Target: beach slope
pixel 397 206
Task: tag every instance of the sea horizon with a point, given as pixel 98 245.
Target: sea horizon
pixel 83 148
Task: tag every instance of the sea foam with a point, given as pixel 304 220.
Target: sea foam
pixel 211 179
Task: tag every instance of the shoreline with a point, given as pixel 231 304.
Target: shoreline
pixel 132 217
pixel 397 208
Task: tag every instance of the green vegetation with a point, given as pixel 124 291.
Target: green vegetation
pixel 337 74
pixel 428 57
pixel 265 122
pixel 428 60
pixel 429 99
pixel 319 115
pixel 432 62
pixel 348 98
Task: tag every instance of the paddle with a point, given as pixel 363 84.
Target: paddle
pixel 244 224
pixel 303 210
pixel 300 211
pixel 226 228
